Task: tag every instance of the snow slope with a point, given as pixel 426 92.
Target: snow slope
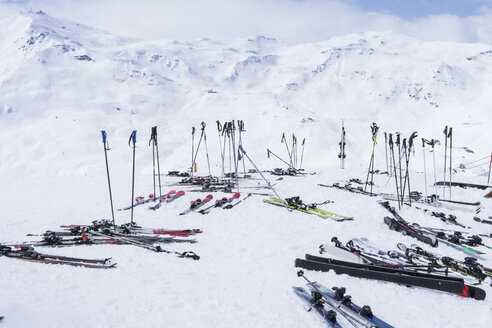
pixel 62 82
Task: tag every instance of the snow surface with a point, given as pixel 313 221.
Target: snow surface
pixel 63 82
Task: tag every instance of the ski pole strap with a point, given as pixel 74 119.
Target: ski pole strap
pixel 133 138
pixel 219 126
pixel 203 126
pixel 153 134
pixel 410 139
pixel 283 137
pixel 374 128
pixel 240 125
pixel 191 255
pixel 104 137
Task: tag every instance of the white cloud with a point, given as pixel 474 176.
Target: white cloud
pixel 289 20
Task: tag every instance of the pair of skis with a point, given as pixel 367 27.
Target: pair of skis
pixel 28 254
pixel 310 209
pixel 410 258
pixel 452 285
pixel 333 302
pixel 225 203
pixel 169 197
pixel 128 228
pixel 220 203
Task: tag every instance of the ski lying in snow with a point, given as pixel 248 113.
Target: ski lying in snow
pixel 482 220
pixel 462 184
pixel 219 203
pixel 345 302
pixel 404 277
pixel 400 225
pixel 348 187
pixel 435 203
pixel 168 199
pixel 28 254
pixel 229 206
pixel 139 201
pixel 197 204
pixel 342 305
pixel 315 302
pixel 414 259
pixel 126 228
pixel 157 249
pixel 310 209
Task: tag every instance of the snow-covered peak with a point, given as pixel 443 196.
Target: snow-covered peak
pixel 58 73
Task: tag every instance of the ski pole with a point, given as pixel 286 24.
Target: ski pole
pixel 398 143
pixel 450 135
pixel 425 170
pixel 283 140
pixel 302 153
pixel 294 150
pixel 490 166
pixel 158 161
pixel 106 148
pixel 407 163
pixel 233 135
pixel 198 146
pixel 219 128
pixel 386 151
pixel 445 157
pixel 240 125
pixel 131 142
pixel 271 152
pixel 206 148
pixel 433 143
pixel 261 174
pixel 192 150
pixel 392 153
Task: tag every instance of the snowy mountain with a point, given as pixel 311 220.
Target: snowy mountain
pixel 60 77
pixel 62 82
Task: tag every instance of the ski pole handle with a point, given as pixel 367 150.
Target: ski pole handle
pixel 219 126
pixel 104 137
pixel 153 134
pixel 192 130
pixel 203 126
pixel 133 138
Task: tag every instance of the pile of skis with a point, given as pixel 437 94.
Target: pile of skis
pixel 99 232
pixel 390 269
pixel 463 241
pixel 166 198
pixel 409 258
pixel 295 203
pixel 333 303
pixel 26 253
pixel 224 203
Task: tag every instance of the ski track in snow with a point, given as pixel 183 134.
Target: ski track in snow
pixel 53 106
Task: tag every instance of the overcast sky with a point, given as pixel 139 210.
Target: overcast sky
pixel 289 20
